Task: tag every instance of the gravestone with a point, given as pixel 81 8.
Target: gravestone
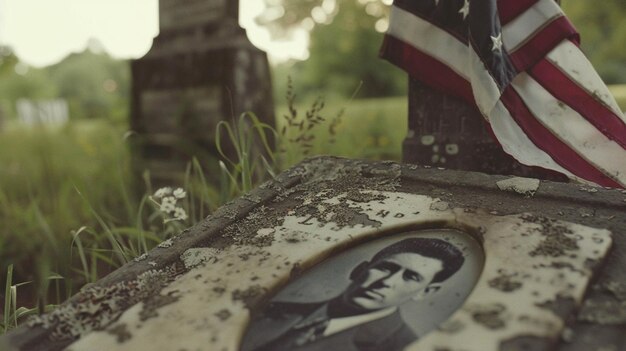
pixel 444 131
pixel 42 112
pixel 201 69
pixel 539 266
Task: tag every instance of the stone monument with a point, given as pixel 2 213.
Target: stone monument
pixel 201 69
pixel 529 265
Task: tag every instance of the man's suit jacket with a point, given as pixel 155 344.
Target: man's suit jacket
pixel 388 333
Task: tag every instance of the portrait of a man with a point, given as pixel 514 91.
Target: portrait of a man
pixel 365 315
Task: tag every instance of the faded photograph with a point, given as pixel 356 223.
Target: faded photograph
pixel 379 296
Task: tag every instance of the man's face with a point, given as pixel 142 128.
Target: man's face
pixel 392 281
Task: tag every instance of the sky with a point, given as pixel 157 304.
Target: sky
pixel 42 32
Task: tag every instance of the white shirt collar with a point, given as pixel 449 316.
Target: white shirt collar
pixel 336 325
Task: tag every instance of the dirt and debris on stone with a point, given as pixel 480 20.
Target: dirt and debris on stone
pixel 152 304
pixel 223 314
pixel 557 239
pixel 490 316
pixel 524 186
pixel 120 331
pixel 348 183
pixel 96 307
pixel 249 296
pixel 562 306
pixel 506 283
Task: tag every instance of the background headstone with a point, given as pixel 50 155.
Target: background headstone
pixel 444 131
pixel 42 112
pixel 200 70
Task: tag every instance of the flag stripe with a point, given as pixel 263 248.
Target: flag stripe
pixel 572 62
pixel 539 45
pixel 517 144
pixel 429 39
pixel 426 68
pixel 560 152
pixel 510 9
pixel 529 23
pixel 484 87
pixel 572 130
pixel 421 10
pixel 569 92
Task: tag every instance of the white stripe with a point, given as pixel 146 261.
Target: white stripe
pixel 485 90
pixel 574 64
pixel 523 26
pixel 429 39
pixel 517 144
pixel 572 128
pixel 439 44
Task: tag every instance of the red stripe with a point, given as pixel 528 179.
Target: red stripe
pixel 508 10
pixel 542 42
pixel 566 90
pixel 560 152
pixel 425 68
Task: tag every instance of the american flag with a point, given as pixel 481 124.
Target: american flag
pixel 519 63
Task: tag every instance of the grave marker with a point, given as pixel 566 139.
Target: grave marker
pixel 551 277
pixel 42 112
pixel 201 69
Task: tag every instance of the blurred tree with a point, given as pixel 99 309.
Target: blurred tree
pixel 95 85
pixel 17 81
pixel 344 53
pixel 603 32
pixel 344 42
pixel 8 60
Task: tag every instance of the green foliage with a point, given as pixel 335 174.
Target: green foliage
pixel 619 92
pixel 603 33
pixel 94 84
pixel 345 53
pixel 245 165
pixel 30 83
pixel 343 50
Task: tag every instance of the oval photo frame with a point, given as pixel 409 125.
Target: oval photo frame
pixel 385 293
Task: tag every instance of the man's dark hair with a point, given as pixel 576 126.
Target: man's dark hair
pixel 451 257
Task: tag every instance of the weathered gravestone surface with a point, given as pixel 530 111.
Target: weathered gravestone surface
pixel 445 131
pixel 531 265
pixel 200 70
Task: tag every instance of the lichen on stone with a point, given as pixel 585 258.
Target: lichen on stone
pixel 98 306
pixel 505 283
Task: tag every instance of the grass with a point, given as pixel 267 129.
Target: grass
pixel 70 212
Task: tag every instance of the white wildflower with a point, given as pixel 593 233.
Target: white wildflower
pixel 167 208
pixel 169 200
pixel 163 192
pixel 168 204
pixel 179 193
pixel 180 214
